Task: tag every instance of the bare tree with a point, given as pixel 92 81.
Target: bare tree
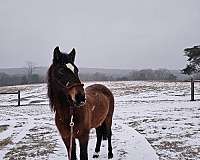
pixel 30 66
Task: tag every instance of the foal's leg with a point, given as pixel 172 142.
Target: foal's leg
pixel 98 143
pixel 83 140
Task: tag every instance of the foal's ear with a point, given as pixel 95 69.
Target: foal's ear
pixel 72 55
pixel 56 55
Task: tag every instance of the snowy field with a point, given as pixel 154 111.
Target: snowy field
pixel 152 120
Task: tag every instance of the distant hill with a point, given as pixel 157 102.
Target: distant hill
pixel 23 71
pixel 107 72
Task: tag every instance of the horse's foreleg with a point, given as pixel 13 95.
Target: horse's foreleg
pixel 83 140
pixel 74 150
pixel 98 143
pixel 73 153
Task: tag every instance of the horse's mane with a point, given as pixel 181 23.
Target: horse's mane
pixel 50 89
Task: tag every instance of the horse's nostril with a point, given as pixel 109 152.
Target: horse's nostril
pixel 80 98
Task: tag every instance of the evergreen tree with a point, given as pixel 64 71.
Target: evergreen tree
pixel 193 55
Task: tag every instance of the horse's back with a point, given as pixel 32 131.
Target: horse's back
pixel 101 89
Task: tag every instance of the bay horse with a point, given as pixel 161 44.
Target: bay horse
pixel 76 109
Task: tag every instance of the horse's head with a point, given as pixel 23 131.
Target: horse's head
pixel 64 77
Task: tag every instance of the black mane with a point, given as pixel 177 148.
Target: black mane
pixel 49 87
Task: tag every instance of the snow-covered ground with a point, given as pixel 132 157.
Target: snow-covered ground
pixel 152 120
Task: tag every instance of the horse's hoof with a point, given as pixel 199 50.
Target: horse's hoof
pixel 110 155
pixel 96 155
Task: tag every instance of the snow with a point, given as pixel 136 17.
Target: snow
pixel 152 120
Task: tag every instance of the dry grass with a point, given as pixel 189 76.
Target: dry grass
pixel 5 142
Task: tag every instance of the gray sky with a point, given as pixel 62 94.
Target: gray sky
pixel 132 34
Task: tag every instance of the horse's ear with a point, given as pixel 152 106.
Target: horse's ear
pixel 56 55
pixel 72 55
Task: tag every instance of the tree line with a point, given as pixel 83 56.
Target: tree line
pixel 140 75
pixel 148 74
pixel 9 80
pixel 192 67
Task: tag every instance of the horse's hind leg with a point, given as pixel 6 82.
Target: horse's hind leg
pixel 108 123
pixel 109 134
pixel 103 132
pixel 98 143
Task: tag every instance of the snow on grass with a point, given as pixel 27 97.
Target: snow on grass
pixel 150 119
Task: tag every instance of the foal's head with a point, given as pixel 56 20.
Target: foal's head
pixel 63 78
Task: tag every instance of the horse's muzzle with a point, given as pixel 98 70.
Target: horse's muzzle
pixel 80 99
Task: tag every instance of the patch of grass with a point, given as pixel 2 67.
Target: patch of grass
pixel 5 142
pixel 176 146
pixel 38 142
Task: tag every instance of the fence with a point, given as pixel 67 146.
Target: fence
pixel 192 88
pixel 18 95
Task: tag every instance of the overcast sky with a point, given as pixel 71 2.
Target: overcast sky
pixel 128 34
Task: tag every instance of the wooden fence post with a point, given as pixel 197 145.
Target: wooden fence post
pixel 192 89
pixel 18 97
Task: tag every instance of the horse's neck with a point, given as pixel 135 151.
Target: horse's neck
pixel 64 117
pixel 62 107
pixel 62 111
